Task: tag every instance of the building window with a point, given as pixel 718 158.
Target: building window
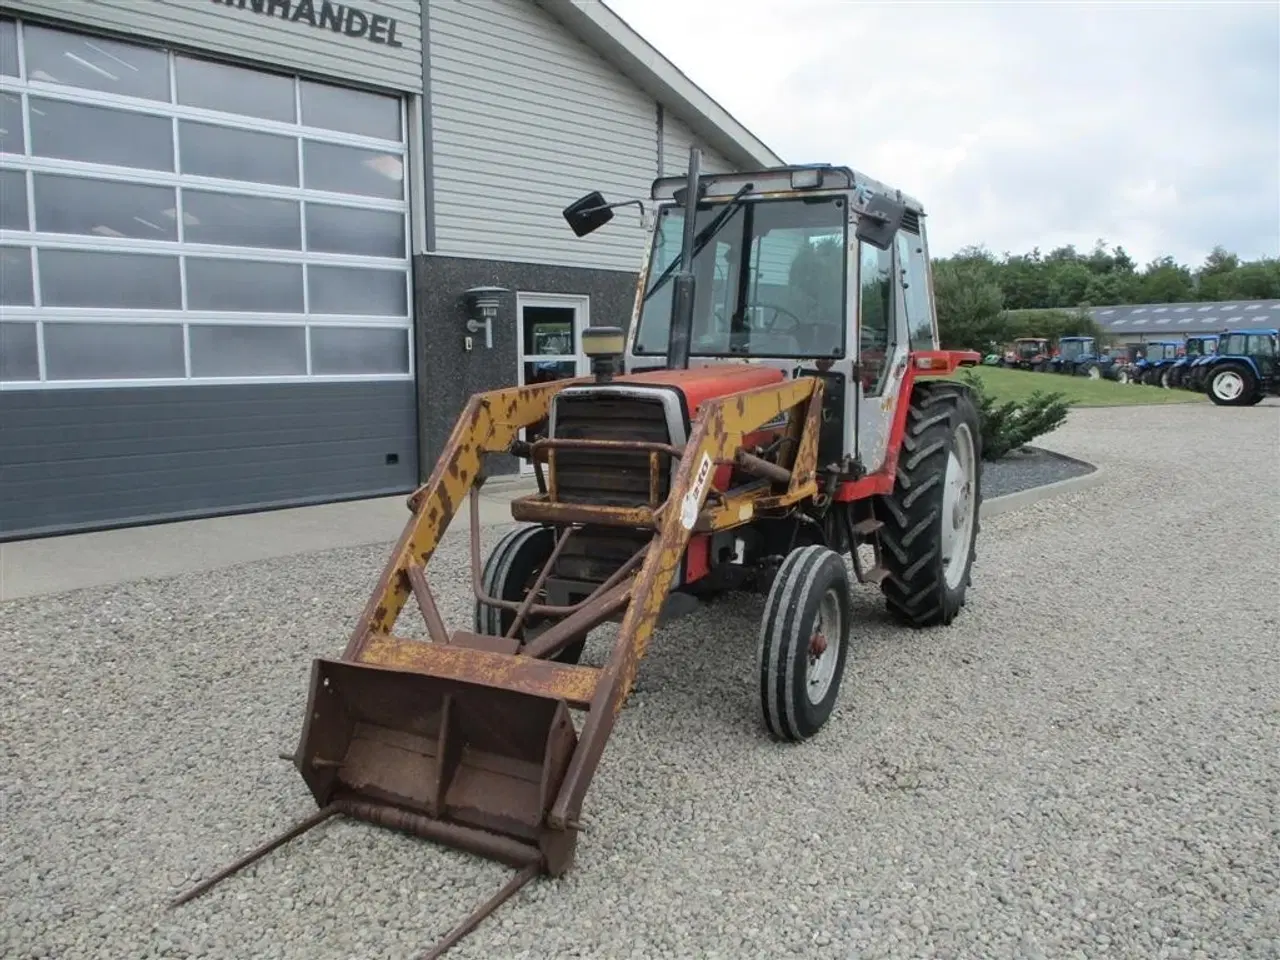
pixel 167 218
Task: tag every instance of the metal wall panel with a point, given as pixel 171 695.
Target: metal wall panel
pixel 525 119
pixel 80 459
pixel 278 32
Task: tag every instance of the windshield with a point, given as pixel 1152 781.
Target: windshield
pixel 1234 344
pixel 1073 349
pixel 770 281
pixel 1198 348
pixel 1028 349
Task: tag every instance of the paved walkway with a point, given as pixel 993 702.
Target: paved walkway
pixel 55 564
pixel 48 565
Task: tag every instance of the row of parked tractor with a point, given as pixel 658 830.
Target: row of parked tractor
pixel 1234 368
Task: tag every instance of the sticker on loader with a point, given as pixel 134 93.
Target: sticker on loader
pixel 693 499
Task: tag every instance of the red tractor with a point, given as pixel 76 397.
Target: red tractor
pixel 777 416
pixel 1029 353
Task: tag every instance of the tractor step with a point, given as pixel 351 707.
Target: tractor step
pixel 864 528
pixel 874 575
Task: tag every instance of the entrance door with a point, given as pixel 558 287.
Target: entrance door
pixel 550 342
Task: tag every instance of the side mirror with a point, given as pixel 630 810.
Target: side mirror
pixel 588 214
pixel 879 221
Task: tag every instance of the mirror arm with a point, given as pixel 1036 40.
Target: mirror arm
pixel 613 206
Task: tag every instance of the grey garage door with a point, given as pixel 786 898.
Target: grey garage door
pixel 205 286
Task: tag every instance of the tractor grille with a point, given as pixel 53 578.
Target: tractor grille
pixel 609 478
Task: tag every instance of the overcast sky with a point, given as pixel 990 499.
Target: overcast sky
pixel 1154 126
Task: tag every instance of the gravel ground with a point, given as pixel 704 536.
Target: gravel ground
pixel 1063 773
pixel 1026 468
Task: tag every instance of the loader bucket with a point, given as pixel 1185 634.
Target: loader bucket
pixel 459 762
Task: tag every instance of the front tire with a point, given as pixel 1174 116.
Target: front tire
pixel 1231 385
pixel 931 519
pixel 509 572
pixel 803 643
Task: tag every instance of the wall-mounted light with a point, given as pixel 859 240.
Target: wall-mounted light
pixel 482 308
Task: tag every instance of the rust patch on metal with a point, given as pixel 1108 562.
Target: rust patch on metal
pixel 464 662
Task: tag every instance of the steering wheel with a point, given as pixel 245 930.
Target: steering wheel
pixel 777 312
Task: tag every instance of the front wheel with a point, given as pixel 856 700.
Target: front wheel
pixel 509 574
pixel 1122 376
pixel 1232 385
pixel 804 642
pixel 931 518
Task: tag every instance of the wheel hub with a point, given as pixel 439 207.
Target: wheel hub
pixel 1228 385
pixel 824 648
pixel 958 506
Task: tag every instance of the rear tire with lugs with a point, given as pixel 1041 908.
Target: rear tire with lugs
pixel 931 519
pixel 803 642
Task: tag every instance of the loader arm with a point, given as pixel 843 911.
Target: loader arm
pixel 488 424
pixel 716 438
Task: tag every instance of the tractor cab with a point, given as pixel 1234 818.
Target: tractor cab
pixel 1201 346
pixel 1159 354
pixel 813 271
pixel 1162 351
pixel 1198 349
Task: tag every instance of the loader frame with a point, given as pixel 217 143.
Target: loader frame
pixel 491 424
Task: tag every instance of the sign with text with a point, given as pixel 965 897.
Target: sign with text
pixel 344 19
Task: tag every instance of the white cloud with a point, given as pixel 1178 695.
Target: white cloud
pixel 1154 126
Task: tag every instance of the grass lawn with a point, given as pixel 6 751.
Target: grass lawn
pixel 1019 384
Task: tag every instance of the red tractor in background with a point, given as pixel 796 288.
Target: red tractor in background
pixel 1029 353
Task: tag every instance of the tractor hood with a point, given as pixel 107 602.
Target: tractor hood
pixel 696 385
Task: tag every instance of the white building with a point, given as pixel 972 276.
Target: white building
pixel 236 235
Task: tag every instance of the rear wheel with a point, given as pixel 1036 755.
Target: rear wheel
pixel 1231 385
pixel 931 518
pixel 803 642
pixel 508 574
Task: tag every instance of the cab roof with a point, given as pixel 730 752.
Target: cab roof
pixel 770 179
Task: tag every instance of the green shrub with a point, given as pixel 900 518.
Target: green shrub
pixel 1015 423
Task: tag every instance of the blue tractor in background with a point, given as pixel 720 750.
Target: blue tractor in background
pixel 1245 369
pixel 1199 348
pixel 1160 354
pixel 1080 356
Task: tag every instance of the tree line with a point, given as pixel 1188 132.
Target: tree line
pixel 978 293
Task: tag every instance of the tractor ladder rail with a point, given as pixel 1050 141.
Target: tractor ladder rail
pixel 466 738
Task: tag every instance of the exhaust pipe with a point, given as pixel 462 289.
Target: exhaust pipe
pixel 681 331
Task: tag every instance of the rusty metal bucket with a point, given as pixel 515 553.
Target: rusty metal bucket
pixel 459 762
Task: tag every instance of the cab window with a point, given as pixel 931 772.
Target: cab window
pixel 875 316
